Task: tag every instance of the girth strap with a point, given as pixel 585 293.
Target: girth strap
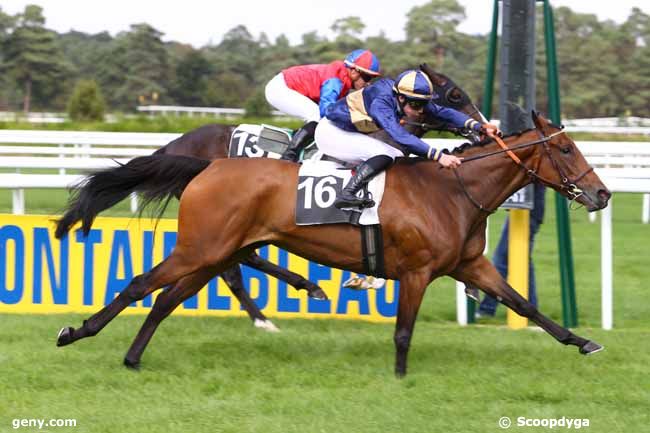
pixel 372 250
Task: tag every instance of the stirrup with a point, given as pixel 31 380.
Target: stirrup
pixel 357 203
pixel 290 155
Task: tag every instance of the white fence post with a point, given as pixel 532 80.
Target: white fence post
pixel 645 213
pixel 461 304
pixel 606 264
pixel 134 202
pixel 18 202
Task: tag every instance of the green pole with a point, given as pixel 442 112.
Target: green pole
pixel 491 63
pixel 569 309
pixel 488 92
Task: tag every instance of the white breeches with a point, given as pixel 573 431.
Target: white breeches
pixel 352 147
pixel 289 101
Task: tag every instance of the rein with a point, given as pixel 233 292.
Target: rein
pixel 568 185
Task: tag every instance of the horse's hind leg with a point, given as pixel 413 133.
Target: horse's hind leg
pixel 170 270
pixel 165 303
pixel 235 282
pixel 412 288
pixel 297 281
pixel 483 274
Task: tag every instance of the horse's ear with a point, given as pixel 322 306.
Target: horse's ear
pixel 436 78
pixel 539 120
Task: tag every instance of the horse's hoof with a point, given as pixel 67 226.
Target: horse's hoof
pixel 318 294
pixel 266 325
pixel 132 365
pixel 590 347
pixel 472 293
pixel 65 336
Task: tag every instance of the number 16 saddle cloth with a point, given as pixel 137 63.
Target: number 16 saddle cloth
pixel 319 182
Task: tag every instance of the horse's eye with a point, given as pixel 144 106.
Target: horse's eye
pixel 455 95
pixel 566 149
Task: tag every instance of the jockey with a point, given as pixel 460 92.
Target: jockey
pixel 343 133
pixel 307 91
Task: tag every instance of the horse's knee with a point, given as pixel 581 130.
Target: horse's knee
pixel 136 290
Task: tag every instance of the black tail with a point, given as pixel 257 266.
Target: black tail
pixel 155 177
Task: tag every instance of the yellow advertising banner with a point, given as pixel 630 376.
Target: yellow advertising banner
pixel 81 274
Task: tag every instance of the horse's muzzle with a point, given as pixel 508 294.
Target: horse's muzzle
pixel 598 200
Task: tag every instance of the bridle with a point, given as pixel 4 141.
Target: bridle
pixel 567 186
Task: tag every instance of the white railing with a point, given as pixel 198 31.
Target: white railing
pixel 177 110
pixel 623 166
pixel 60 151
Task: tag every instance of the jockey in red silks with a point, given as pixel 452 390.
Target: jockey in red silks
pixel 307 91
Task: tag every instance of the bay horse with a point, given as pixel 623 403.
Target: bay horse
pixel 433 224
pixel 212 141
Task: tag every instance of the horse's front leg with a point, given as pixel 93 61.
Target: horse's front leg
pixel 411 291
pixel 482 273
pixel 297 281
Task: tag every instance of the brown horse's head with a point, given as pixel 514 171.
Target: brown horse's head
pixel 565 169
pixel 449 94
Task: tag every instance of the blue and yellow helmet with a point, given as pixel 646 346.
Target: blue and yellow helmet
pixel 414 85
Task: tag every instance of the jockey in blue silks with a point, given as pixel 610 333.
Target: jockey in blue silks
pixel 343 133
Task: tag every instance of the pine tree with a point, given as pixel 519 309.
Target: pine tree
pixel 32 57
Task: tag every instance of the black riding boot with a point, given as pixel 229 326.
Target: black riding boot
pixel 301 139
pixel 364 173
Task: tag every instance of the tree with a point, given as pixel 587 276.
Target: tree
pixel 32 56
pixel 192 74
pixel 6 25
pixel 86 102
pixel 348 33
pixel 256 105
pixel 434 24
pixel 137 67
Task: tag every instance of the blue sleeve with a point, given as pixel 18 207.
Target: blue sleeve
pixel 329 94
pixel 453 117
pixel 383 113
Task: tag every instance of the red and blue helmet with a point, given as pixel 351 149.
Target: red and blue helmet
pixel 363 60
pixel 414 84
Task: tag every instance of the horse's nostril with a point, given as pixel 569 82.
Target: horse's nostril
pixel 604 194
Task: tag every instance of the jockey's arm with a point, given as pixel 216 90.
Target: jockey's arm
pixel 330 92
pixel 461 120
pixel 453 117
pixel 383 113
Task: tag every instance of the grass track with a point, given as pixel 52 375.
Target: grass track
pixel 222 375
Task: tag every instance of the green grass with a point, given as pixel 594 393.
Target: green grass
pixel 221 375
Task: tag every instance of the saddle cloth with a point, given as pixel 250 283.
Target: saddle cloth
pixel 319 182
pixel 258 141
